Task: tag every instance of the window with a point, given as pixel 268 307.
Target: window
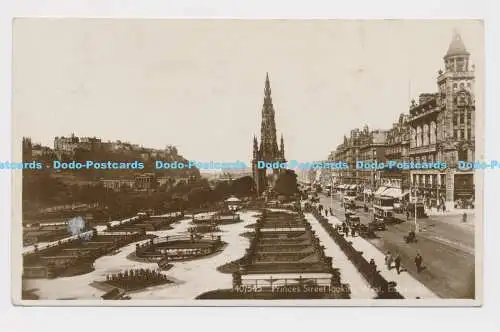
pixel 462 134
pixel 425 138
pixel 461 100
pixel 462 86
pixel 413 137
pixel 456 134
pixel 432 136
pixel 462 155
pixel 469 134
pixel 455 119
pixel 462 118
pixel 455 86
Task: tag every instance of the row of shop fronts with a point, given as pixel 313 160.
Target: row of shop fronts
pixel 453 189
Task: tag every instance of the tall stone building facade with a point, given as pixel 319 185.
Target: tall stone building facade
pixel 367 145
pixel 397 148
pixel 268 150
pixel 442 129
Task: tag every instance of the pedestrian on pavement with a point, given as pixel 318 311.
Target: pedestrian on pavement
pixel 418 262
pixel 464 217
pixel 388 260
pixel 407 215
pixel 331 212
pixel 373 267
pixel 353 231
pixel 326 212
pixel 397 262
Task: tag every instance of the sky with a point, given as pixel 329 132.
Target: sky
pixel 199 84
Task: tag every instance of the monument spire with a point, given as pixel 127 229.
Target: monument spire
pixel 267 88
pixel 269 144
pixel 282 147
pixel 267 150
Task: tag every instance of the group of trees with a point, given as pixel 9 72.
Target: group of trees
pixel 241 187
pixel 130 156
pixel 286 184
pixel 41 189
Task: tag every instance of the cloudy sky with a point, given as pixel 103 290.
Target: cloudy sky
pixel 199 85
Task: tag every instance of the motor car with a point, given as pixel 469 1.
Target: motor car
pixel 378 224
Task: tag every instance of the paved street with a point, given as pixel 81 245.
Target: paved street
pixel 445 243
pixel 360 288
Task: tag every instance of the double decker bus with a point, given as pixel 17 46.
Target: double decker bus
pixel 383 209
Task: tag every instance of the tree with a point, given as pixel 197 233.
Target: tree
pixel 222 190
pixel 200 196
pixel 286 184
pixel 243 186
pixel 177 204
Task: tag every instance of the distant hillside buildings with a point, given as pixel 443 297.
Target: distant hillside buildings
pixel 68 147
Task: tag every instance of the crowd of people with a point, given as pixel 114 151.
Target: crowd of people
pixel 325 210
pixel 347 230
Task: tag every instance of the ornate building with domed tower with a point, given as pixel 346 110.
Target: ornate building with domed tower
pixel 268 150
pixel 442 129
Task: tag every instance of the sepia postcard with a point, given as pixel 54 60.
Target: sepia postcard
pixel 167 162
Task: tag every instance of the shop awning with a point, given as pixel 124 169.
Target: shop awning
pixel 393 192
pixel 380 190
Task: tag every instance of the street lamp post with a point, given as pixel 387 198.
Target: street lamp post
pixel 341 193
pixel 331 193
pixel 374 153
pixel 415 198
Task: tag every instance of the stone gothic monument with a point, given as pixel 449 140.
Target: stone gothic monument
pixel 268 150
